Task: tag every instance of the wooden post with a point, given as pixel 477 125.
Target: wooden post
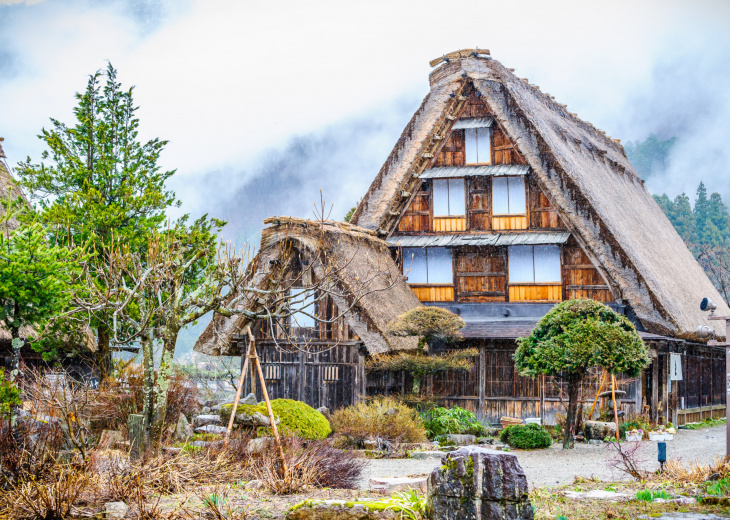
pixel 136 435
pixel 237 399
pixel 615 408
pixel 655 386
pixel 255 361
pixel 252 375
pixel 665 387
pixel 600 387
pixel 482 382
pixel 542 399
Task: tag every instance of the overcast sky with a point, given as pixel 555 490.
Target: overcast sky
pixel 266 103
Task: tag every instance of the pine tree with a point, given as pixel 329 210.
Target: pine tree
pixel 702 213
pixel 97 183
pixel 719 217
pixel 684 220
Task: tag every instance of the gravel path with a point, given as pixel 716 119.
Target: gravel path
pixel 557 466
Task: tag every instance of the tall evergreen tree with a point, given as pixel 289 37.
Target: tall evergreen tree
pixel 702 213
pixel 684 220
pixel 719 217
pixel 97 183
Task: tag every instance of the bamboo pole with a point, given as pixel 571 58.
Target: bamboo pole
pixel 615 410
pixel 255 361
pixel 600 387
pixel 237 399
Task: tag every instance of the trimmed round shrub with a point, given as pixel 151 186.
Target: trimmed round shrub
pixel 529 437
pixel 296 417
pixel 384 417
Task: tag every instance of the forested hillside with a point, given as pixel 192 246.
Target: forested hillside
pixel 703 223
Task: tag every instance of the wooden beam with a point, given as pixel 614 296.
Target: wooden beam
pixel 482 382
pixel 655 387
pixel 463 53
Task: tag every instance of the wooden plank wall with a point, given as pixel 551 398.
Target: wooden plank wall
pixel 542 213
pixel 417 216
pixel 580 278
pixel 701 393
pixel 332 377
pixel 479 203
pixel 434 293
pixel 536 293
pixel 480 274
pixel 512 222
pixel 504 150
pixel 449 224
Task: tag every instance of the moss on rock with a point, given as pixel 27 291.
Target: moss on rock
pixel 295 417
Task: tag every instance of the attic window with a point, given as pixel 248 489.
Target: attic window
pixel 448 198
pixel 428 265
pixel 477 145
pixel 302 301
pixel 508 196
pixel 534 264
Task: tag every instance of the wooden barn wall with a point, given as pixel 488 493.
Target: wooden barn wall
pixel 332 376
pixel 580 278
pixel 501 391
pixel 480 274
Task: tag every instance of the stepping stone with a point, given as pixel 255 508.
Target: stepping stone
pixel 344 510
pixel 597 494
pixel 211 428
pixel 391 484
pixel 427 455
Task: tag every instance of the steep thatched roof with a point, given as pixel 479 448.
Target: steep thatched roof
pixel 584 173
pixel 352 255
pixel 8 187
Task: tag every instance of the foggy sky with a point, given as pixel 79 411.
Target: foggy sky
pixel 266 103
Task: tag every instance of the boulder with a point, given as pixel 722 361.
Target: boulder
pixel 202 420
pixel 599 430
pixel 344 510
pixel 183 430
pixel 259 445
pixel 393 484
pixel 461 440
pixel 115 510
pixel 211 428
pixel 323 410
pixel 250 400
pixel 254 419
pixel 478 483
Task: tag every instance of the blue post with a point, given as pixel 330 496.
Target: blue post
pixel 662 455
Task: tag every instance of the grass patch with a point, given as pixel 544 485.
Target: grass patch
pixel 648 495
pixel 707 423
pixel 718 488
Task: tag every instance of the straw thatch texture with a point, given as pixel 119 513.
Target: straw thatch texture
pixel 8 187
pixel 588 178
pixel 352 254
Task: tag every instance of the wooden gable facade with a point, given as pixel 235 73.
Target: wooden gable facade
pixel 481 273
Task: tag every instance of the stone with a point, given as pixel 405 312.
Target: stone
pixel 259 445
pixel 599 430
pixel 250 400
pixel 109 439
pixel 255 419
pixel 485 440
pixel 183 430
pixel 595 442
pixel 461 440
pixel 216 409
pixel 211 428
pixel 597 494
pixel 392 484
pixel 323 410
pixel 427 454
pixel 343 510
pixel 202 420
pixel 478 483
pixel 713 477
pixel 205 409
pixel 115 510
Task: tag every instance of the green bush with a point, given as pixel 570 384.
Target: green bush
pixel 530 437
pixel 441 421
pixel 296 417
pixel 9 396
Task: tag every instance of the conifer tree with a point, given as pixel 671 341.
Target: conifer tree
pixel 97 183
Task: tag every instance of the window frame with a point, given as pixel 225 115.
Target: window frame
pixel 476 131
pixel 448 181
pixel 293 321
pixel 509 209
pixel 532 247
pixel 406 265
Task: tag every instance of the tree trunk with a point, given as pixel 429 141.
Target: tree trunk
pixel 164 375
pixel 148 363
pixel 103 354
pixel 573 389
pixel 17 345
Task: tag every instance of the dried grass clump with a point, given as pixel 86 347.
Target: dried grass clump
pixel 28 451
pixel 382 418
pixel 694 472
pixel 309 464
pixel 418 363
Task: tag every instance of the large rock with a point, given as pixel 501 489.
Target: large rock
pixel 254 419
pixel 115 510
pixel 211 428
pixel 202 420
pixel 476 483
pixel 259 445
pixel 597 430
pixel 393 484
pixel 343 510
pixel 183 430
pixel 426 454
pixel 250 400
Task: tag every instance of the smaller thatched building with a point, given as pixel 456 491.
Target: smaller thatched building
pixel 318 359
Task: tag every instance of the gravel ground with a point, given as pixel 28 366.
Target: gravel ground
pixel 557 466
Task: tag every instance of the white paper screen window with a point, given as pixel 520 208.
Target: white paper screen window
pixel 508 196
pixel 547 263
pixel 302 301
pixel 521 264
pixel 414 264
pixel 534 264
pixel 477 145
pixel 427 265
pixel 448 198
pixel 440 269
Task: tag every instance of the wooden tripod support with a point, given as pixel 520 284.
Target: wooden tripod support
pixel 255 366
